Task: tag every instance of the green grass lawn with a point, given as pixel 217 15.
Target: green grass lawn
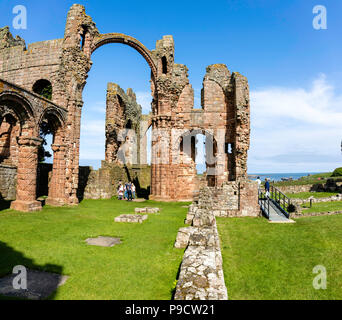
pixel 144 266
pixel 272 261
pixel 323 207
pixel 306 195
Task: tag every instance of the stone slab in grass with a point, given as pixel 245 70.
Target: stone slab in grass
pixel 40 285
pixel 131 218
pixel 103 241
pixel 147 210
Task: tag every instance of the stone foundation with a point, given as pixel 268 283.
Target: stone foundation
pixel 201 274
pixel 131 218
pixel 147 210
pixel 26 206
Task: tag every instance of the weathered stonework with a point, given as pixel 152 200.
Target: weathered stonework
pixel 201 274
pixel 65 63
pixel 131 218
pixel 123 132
pixel 8 182
pixel 147 210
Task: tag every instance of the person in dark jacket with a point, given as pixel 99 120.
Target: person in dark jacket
pixel 129 191
pixel 267 187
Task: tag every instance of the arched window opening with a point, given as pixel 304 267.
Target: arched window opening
pixel 229 148
pixel 129 124
pixel 83 37
pixel 49 128
pixel 46 133
pixel 43 88
pixel 7 137
pixel 164 65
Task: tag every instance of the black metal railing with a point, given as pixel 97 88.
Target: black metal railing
pixel 279 199
pixel 264 203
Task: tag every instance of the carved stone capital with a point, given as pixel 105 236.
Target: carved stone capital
pixel 30 141
pixel 58 147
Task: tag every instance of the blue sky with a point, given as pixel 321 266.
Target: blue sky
pixel 294 71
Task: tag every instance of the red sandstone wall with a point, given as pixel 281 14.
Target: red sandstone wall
pixel 23 67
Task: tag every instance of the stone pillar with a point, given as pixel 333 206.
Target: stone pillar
pixel 57 183
pixel 27 175
pixel 162 182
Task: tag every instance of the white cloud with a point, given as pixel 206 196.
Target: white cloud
pixel 290 124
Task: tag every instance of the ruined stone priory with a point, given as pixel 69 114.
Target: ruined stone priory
pixel 62 65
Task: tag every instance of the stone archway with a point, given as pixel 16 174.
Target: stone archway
pixel 27 150
pixel 56 121
pixel 114 148
pixel 184 151
pixel 26 110
pixel 127 40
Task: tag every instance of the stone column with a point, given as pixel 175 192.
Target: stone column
pixel 161 180
pixel 57 184
pixel 27 175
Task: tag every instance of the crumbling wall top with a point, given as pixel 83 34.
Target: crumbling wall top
pixel 7 40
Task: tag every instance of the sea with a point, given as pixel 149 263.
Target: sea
pixel 279 176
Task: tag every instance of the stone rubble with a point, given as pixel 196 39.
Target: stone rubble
pixel 147 210
pixel 131 218
pixel 201 274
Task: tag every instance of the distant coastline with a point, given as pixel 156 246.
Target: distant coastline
pixel 279 176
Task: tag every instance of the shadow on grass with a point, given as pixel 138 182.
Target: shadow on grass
pixel 47 287
pixel 173 291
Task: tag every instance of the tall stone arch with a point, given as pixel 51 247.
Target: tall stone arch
pixel 103 39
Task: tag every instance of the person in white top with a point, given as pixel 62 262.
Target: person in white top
pixel 120 192
pixel 259 182
pixel 133 190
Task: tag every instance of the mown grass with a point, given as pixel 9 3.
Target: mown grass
pixel 144 266
pixel 272 261
pixel 323 207
pixel 306 195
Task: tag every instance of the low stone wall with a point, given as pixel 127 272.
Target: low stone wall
pixel 8 182
pixel 295 189
pixel 331 185
pixel 201 274
pixel 315 200
pixel 315 214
